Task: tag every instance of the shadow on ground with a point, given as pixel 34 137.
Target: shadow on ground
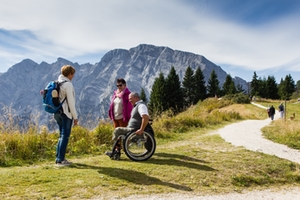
pixel 138 178
pixel 141 178
pixel 179 160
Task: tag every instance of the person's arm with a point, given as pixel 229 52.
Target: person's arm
pixel 145 120
pixel 143 111
pixel 71 102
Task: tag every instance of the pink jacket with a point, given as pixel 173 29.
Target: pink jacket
pixel 127 107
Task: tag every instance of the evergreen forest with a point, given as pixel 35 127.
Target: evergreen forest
pixel 171 94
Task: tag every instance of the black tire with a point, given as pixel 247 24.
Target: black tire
pixel 139 147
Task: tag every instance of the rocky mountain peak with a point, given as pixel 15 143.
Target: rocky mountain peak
pixel 94 84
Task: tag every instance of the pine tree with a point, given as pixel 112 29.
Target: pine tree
pixel 272 89
pixel 229 86
pixel 213 85
pixel 200 93
pixel 143 95
pixel 174 94
pixel 281 89
pixel 291 87
pixel 188 84
pixel 262 87
pixel 157 102
pixel 296 95
pixel 298 86
pixel 254 85
pixel 286 88
pixel 239 89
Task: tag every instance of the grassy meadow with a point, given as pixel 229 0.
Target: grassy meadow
pixel 285 131
pixel 188 158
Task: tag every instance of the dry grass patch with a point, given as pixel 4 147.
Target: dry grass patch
pixel 203 164
pixel 285 131
pixel 189 159
pixel 246 111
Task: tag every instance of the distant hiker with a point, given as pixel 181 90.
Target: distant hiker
pixel 272 112
pixel 281 110
pixel 120 106
pixel 65 116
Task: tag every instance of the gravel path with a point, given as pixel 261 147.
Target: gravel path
pixel 247 134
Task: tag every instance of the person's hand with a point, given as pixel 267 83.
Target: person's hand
pixel 139 132
pixel 75 122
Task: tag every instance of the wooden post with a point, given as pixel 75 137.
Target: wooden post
pixel 284 111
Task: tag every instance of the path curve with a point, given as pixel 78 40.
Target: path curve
pixel 249 135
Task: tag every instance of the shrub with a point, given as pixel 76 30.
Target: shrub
pixel 238 98
pixel 38 144
pixel 103 133
pixel 201 115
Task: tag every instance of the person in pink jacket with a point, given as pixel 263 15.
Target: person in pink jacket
pixel 120 107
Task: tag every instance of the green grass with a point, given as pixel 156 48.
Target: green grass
pixel 203 163
pixel 285 131
pixel 188 159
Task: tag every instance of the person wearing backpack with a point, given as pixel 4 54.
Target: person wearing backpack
pixel 281 110
pixel 67 114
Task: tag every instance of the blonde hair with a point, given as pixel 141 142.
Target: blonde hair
pixel 67 69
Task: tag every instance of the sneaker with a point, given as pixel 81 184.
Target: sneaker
pixel 108 153
pixel 64 162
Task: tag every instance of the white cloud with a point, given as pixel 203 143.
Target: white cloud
pixel 75 28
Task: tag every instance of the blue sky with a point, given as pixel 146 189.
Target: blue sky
pixel 241 36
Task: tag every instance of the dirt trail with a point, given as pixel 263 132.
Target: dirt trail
pixel 247 134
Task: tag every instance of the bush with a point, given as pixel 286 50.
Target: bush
pixel 238 98
pixel 201 115
pixel 20 148
pixel 27 147
pixel 103 133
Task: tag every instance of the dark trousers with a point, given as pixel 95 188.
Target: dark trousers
pixel 65 125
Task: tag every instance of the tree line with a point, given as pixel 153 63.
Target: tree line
pixel 268 88
pixel 168 93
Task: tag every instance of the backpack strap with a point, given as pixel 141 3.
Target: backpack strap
pixel 60 83
pixel 64 100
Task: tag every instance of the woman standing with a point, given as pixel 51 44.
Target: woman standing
pixel 120 107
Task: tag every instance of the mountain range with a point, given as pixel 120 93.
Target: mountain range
pixel 94 84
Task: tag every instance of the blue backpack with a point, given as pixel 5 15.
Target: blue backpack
pixel 51 104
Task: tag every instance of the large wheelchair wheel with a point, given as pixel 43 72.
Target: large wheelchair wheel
pixel 139 147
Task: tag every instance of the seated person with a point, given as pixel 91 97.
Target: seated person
pixel 139 120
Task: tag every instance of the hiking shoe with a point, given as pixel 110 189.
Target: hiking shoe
pixel 64 162
pixel 108 153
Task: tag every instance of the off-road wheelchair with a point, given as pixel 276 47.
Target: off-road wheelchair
pixel 136 147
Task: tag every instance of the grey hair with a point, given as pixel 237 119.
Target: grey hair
pixel 135 94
